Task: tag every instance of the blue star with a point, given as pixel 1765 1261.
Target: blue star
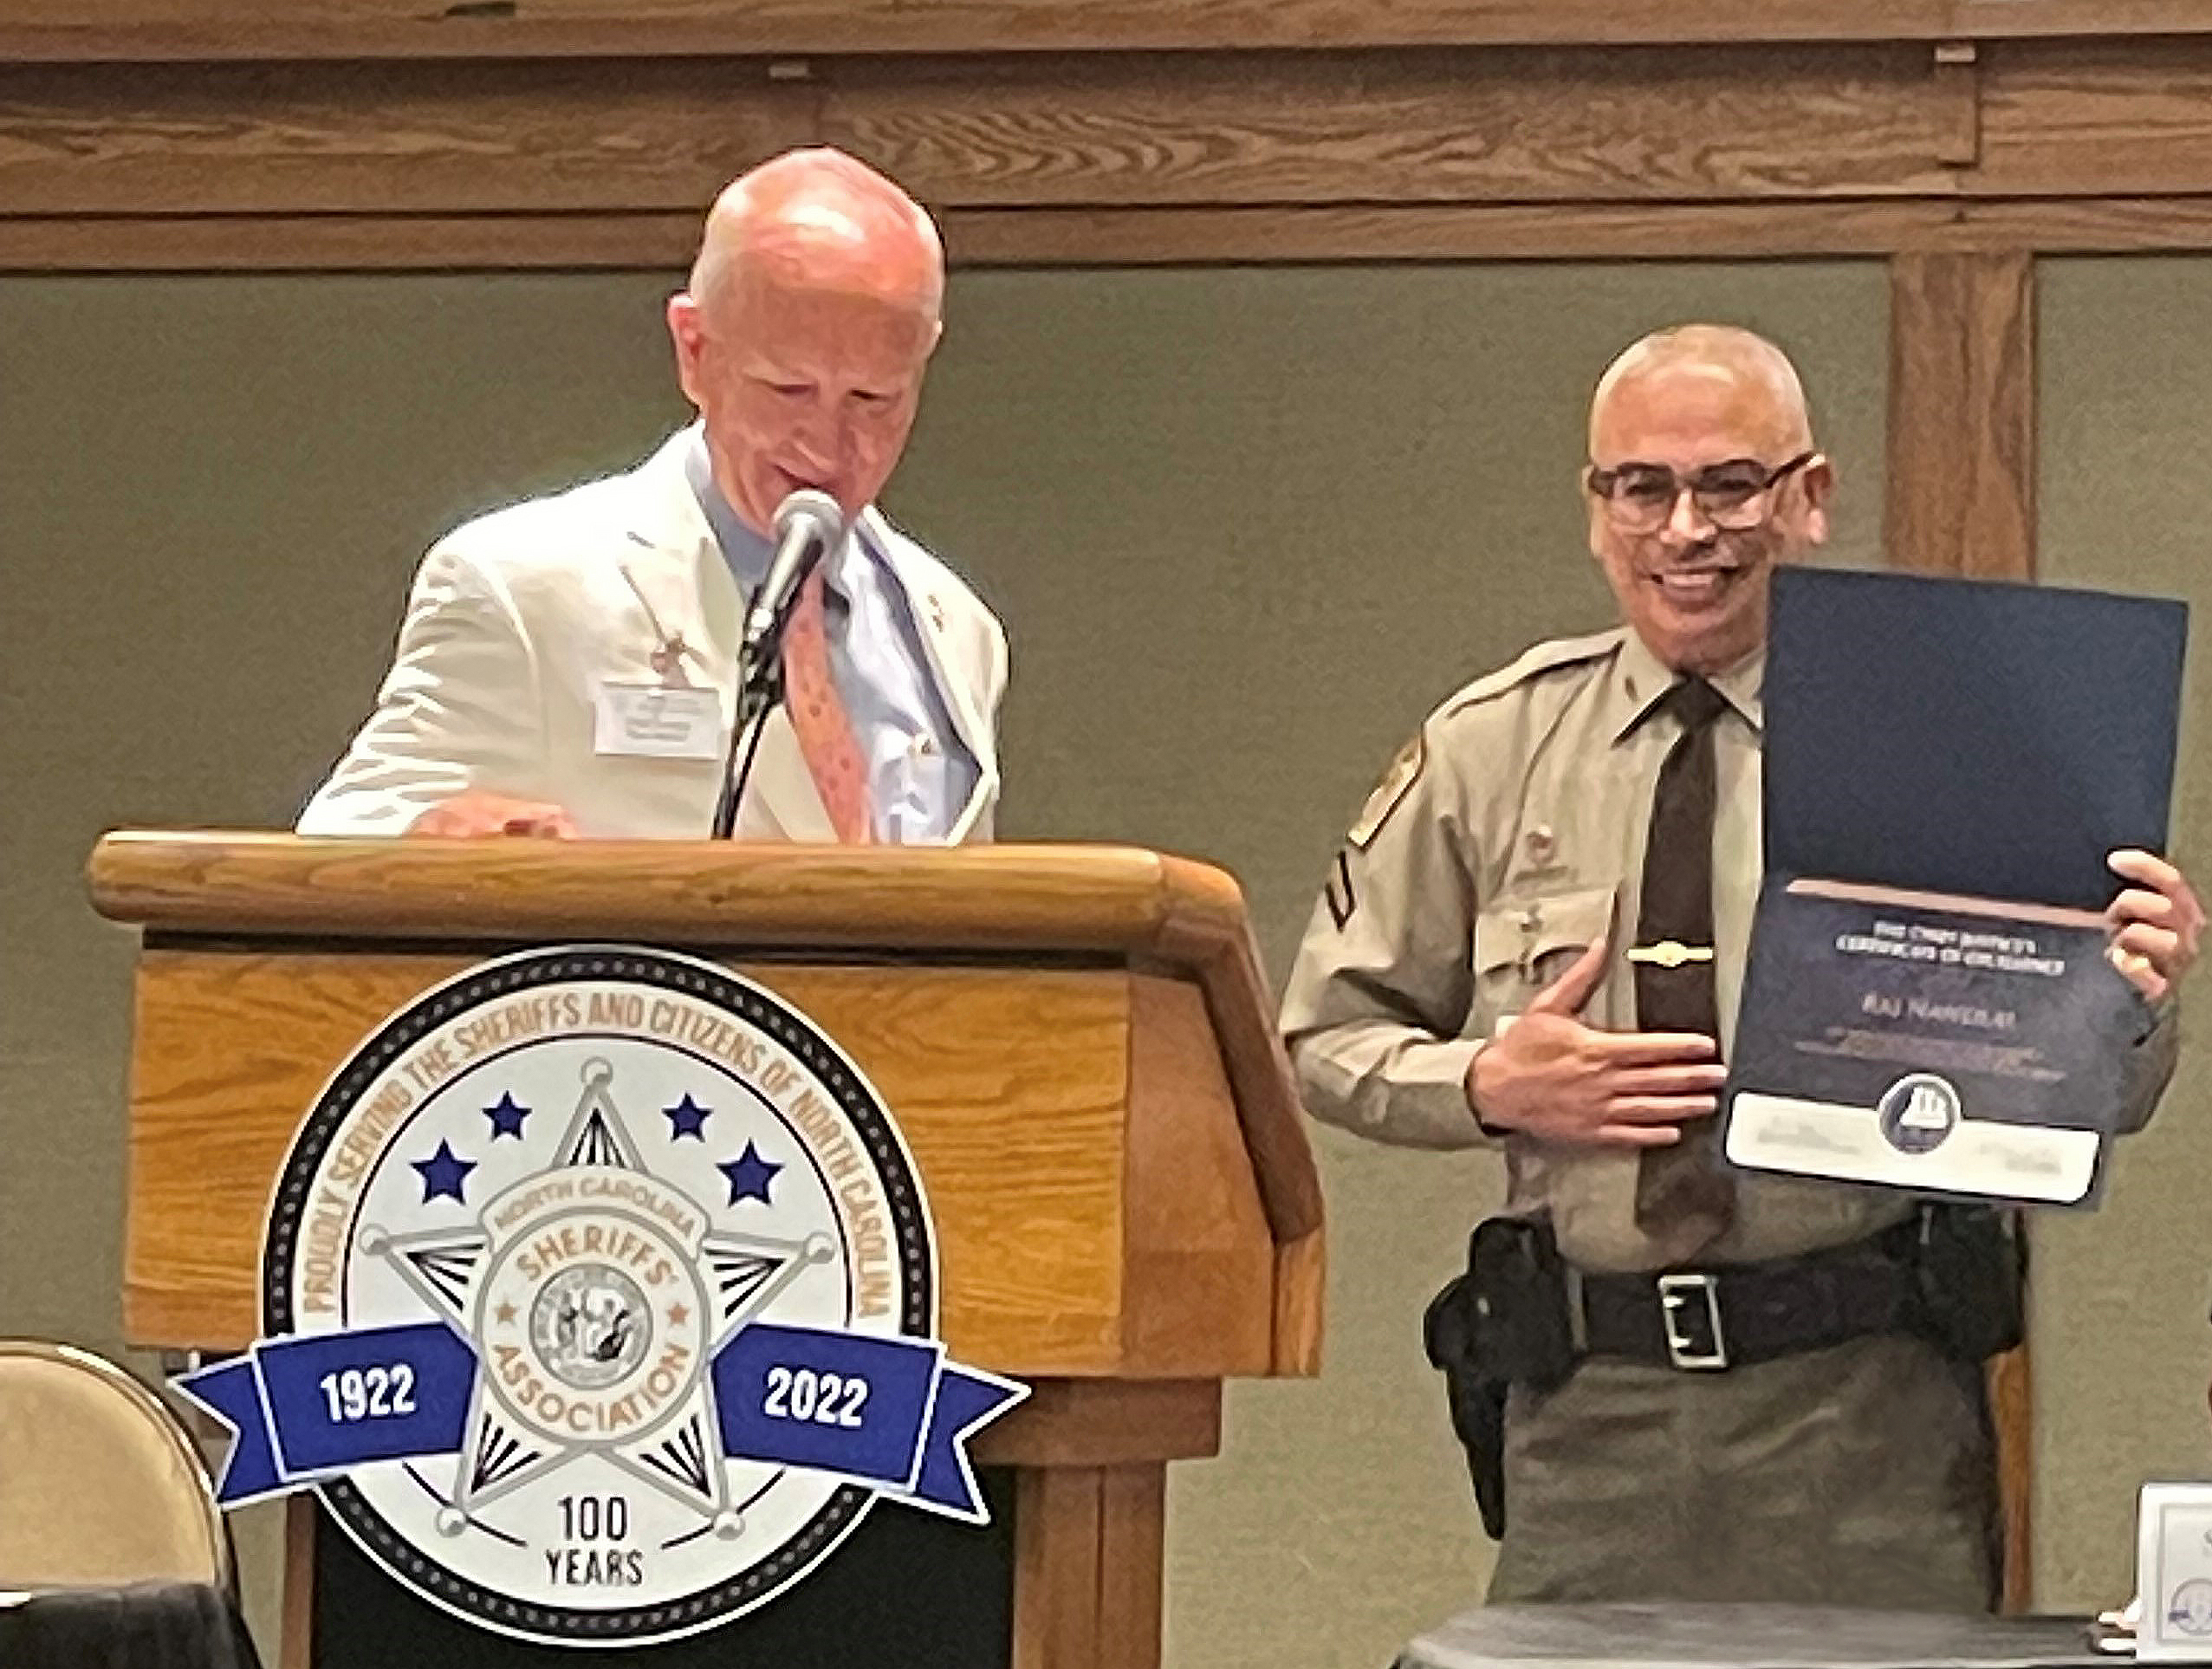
pixel 507 1116
pixel 750 1175
pixel 687 1118
pixel 442 1174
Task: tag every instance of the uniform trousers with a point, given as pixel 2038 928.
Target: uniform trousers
pixel 1860 1474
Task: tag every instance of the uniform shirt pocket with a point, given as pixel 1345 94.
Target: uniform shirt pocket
pixel 1522 946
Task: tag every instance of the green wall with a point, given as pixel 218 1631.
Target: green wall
pixel 2119 1325
pixel 1245 526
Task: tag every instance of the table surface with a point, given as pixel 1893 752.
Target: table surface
pixel 1746 1637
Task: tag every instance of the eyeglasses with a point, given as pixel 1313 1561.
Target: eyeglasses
pixel 1734 495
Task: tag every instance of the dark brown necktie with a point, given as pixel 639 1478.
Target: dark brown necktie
pixel 1682 1199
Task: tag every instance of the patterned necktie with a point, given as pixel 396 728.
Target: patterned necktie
pixel 820 721
pixel 1682 1199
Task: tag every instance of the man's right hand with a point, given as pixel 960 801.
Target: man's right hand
pixel 1553 1077
pixel 476 813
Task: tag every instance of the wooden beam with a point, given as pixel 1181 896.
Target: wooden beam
pixel 379 139
pixel 1961 419
pixel 664 241
pixel 347 243
pixel 1458 153
pixel 2096 118
pixel 1962 501
pixel 1517 127
pixel 1112 1423
pixel 999 237
pixel 2099 225
pixel 1132 1521
pixel 1120 158
pixel 1573 231
pixel 1011 130
pixel 1058 1545
pixel 295 1619
pixel 1088 1549
pixel 235 31
pixel 2009 1379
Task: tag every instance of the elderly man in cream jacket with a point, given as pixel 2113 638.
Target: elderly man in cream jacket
pixel 565 664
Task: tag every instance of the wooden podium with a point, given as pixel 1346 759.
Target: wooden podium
pixel 1076 1042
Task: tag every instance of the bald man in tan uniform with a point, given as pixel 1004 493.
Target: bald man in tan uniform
pixel 1467 981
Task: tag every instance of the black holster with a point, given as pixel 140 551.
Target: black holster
pixel 1504 1323
pixel 1476 1396
pixel 1972 1265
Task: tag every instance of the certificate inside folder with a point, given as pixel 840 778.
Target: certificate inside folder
pixel 1928 1005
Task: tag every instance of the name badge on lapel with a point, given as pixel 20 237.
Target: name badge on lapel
pixel 656 721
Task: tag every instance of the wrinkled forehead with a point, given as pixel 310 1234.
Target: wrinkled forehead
pixel 1688 414
pixel 822 327
pixel 833 256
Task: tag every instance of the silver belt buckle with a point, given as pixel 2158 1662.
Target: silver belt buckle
pixel 1689 1308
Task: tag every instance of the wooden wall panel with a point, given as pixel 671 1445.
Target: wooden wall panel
pixel 371 138
pixel 236 29
pixel 1389 126
pixel 1962 428
pixel 551 137
pixel 2099 118
pixel 1031 155
pixel 390 133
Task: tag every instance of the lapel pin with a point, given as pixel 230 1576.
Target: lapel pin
pixel 668 658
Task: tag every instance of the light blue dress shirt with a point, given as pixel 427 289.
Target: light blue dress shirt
pixel 921 775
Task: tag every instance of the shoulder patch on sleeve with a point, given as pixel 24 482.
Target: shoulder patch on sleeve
pixel 1404 770
pixel 1543 657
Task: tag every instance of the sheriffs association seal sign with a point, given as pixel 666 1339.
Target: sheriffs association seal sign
pixel 599 1298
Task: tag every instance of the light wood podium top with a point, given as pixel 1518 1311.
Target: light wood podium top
pixel 1080 1041
pixel 1104 899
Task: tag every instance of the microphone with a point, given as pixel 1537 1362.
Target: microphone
pixel 808 530
pixel 809 527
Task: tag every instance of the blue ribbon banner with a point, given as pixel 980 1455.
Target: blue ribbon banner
pixel 888 1414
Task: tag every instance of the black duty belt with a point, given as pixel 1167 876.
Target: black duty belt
pixel 1735 1316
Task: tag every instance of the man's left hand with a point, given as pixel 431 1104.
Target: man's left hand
pixel 2156 923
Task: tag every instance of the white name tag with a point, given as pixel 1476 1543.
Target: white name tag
pixel 2174 1573
pixel 658 721
pixel 911 799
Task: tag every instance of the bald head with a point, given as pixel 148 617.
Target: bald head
pixel 1680 423
pixel 811 315
pixel 1719 354
pixel 824 220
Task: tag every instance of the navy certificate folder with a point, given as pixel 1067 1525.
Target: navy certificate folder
pixel 1927 1003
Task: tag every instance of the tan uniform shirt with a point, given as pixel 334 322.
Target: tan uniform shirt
pixel 1508 837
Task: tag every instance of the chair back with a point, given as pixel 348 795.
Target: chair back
pixel 100 1483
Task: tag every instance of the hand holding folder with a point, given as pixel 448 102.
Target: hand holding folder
pixel 1931 1002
